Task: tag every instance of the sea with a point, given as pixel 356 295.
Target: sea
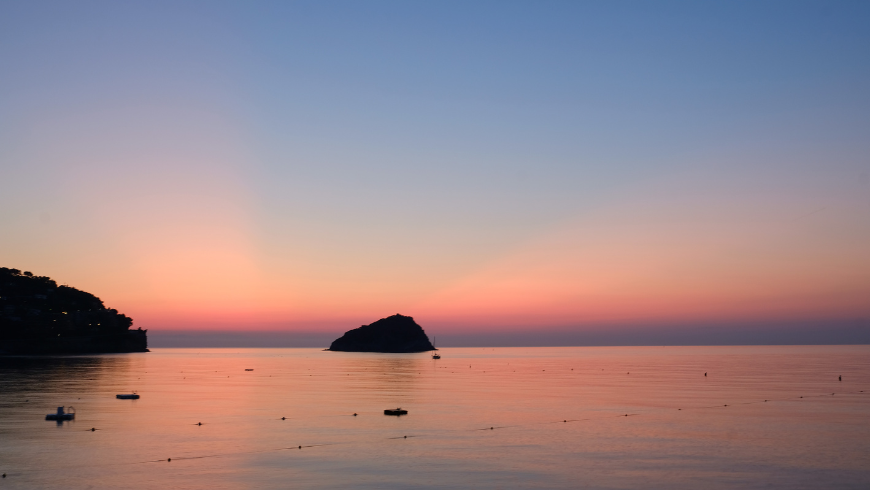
pixel 555 417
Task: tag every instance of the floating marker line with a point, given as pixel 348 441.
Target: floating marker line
pixel 491 428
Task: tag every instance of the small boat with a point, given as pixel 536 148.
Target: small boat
pixel 61 415
pixel 436 356
pixel 395 411
pixel 248 369
pixel 124 396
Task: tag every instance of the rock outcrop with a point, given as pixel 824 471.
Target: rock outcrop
pixel 397 333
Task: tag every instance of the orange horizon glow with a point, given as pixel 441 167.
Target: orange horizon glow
pixel 649 261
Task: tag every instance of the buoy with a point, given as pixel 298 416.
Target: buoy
pixel 93 429
pixel 285 418
pixel 199 423
pixel 705 375
pixel 300 447
pixel 168 459
pixel 841 378
pixel 354 414
pixel 406 437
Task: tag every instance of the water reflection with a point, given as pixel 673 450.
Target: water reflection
pixel 41 374
pixel 42 384
pixel 389 374
pixel 511 418
pixel 18 372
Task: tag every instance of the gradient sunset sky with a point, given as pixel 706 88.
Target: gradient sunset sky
pixel 477 165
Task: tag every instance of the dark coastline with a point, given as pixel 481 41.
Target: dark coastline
pixel 130 341
pixel 38 317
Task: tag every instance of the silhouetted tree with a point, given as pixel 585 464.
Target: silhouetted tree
pixel 35 308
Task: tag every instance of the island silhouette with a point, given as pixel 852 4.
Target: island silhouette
pixel 397 333
pixel 39 317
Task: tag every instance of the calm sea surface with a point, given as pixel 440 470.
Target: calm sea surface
pixel 596 417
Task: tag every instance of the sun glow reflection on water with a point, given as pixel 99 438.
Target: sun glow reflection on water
pixel 597 417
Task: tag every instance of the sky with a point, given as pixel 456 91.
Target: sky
pixel 486 167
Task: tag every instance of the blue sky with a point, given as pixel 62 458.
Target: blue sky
pixel 342 158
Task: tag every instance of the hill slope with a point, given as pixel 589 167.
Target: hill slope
pixel 39 317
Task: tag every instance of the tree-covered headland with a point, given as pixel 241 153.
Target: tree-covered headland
pixel 39 317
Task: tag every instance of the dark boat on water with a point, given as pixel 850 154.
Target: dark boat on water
pixel 395 411
pixel 130 396
pixel 435 355
pixel 61 415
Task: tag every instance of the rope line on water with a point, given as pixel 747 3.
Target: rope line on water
pixel 610 415
pixel 494 427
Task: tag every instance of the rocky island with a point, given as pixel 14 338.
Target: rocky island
pixel 39 317
pixel 397 333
